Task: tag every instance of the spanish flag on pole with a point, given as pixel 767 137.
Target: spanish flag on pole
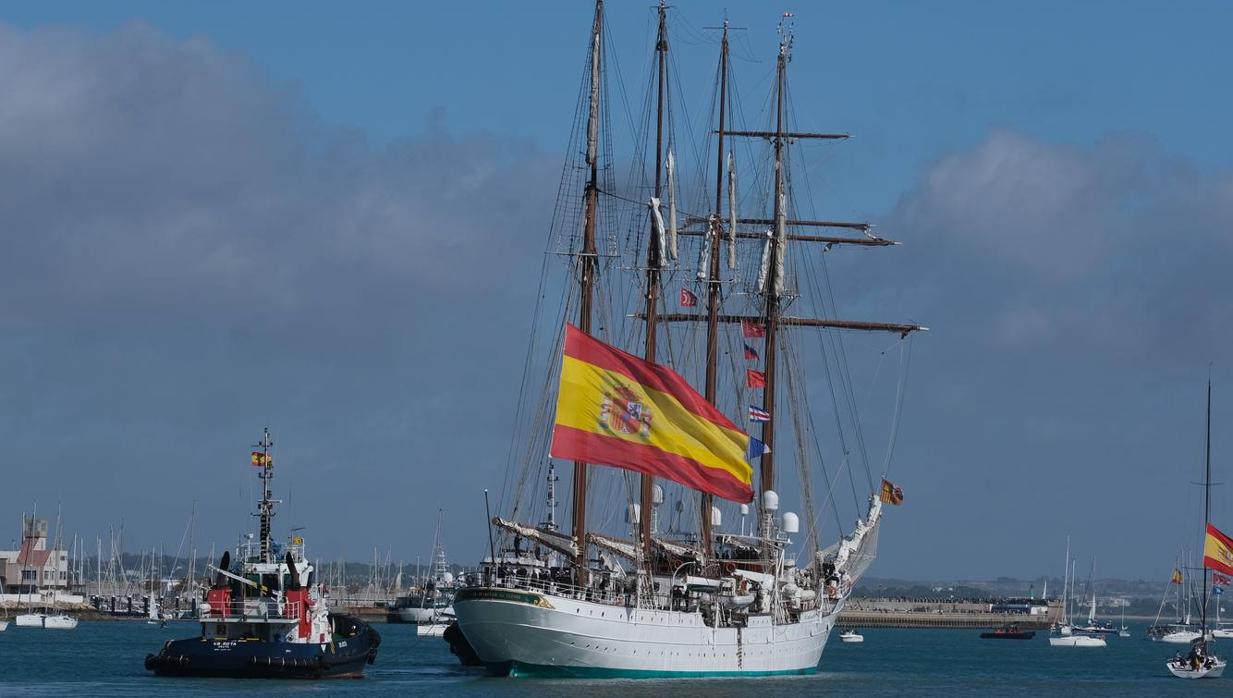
pixel 616 409
pixel 1218 551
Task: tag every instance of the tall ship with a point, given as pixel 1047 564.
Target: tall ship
pixel 266 615
pixel 672 592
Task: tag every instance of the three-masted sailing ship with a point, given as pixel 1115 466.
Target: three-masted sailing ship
pixel 696 599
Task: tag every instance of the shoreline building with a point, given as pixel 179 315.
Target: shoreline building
pixel 34 566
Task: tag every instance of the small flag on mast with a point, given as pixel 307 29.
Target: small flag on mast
pixel 751 354
pixel 262 460
pixel 757 414
pixel 688 299
pixel 755 379
pixel 1177 576
pixel 891 494
pixel 757 449
pixel 752 329
pixel 1221 580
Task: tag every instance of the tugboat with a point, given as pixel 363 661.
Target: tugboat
pixel 268 618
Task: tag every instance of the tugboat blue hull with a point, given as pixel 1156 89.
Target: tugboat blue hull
pixel 346 657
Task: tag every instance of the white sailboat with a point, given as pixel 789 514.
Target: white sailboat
pixel 47 618
pixel 1201 662
pixel 704 604
pixel 1064 634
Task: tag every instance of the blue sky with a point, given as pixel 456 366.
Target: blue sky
pixel 1061 384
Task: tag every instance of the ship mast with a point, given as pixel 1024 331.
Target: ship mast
pixel 774 279
pixel 712 280
pixel 654 263
pixel 266 508
pixel 588 269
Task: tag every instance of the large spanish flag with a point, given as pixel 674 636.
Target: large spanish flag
pixel 1218 551
pixel 616 409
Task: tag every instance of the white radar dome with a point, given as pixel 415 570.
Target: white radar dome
pixel 791 524
pixel 770 500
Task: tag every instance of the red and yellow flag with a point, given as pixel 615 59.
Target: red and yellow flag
pixel 616 409
pixel 262 460
pixel 1217 551
pixel 891 494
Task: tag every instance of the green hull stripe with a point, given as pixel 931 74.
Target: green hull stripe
pixel 546 671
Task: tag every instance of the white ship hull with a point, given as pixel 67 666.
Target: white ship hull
pixel 1180 637
pixel 1077 641
pixel 524 633
pixel 42 620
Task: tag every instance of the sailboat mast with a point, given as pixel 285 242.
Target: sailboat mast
pixel 654 262
pixel 1207 503
pixel 589 267
pixel 712 279
pixel 774 282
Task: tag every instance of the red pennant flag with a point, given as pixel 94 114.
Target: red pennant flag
pixel 1220 580
pixel 755 379
pixel 752 329
pixel 751 354
pixel 688 299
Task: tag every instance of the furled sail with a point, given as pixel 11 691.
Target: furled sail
pixel 781 241
pixel 657 220
pixel 766 263
pixel 704 251
pixel 671 206
pixel 593 110
pixel 731 211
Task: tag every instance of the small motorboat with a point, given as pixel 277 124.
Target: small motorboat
pixel 851 636
pixel 1009 632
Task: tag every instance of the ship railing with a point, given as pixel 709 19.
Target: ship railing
pixel 267 610
pixel 593 594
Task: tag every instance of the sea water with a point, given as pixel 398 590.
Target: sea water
pixel 105 659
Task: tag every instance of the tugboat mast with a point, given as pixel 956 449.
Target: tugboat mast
pixel 266 508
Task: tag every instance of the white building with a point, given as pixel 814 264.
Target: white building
pixel 33 566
